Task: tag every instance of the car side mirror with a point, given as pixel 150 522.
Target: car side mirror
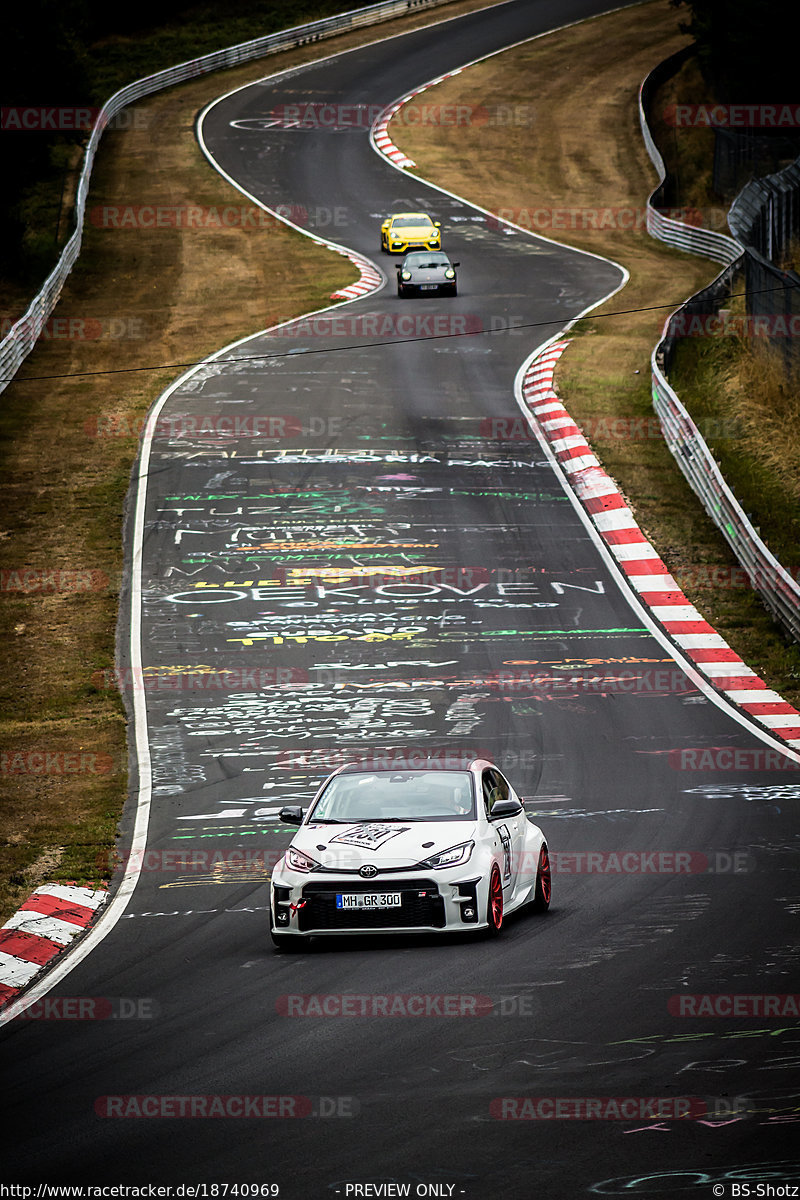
pixel 438 224
pixel 455 264
pixel 291 815
pixel 506 808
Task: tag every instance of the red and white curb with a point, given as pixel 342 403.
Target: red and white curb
pixel 380 130
pixel 44 926
pixel 385 144
pixel 640 563
pixel 369 278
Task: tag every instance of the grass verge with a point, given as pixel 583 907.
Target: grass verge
pixel 743 388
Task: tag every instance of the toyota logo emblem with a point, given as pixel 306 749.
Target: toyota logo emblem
pixel 368 872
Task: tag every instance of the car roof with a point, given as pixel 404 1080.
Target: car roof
pixel 420 216
pixel 432 764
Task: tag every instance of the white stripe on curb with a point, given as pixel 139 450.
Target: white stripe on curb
pixel 658 591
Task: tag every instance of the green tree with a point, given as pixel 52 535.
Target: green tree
pixel 747 51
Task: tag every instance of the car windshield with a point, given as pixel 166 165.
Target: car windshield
pixel 396 795
pixel 422 261
pixel 410 222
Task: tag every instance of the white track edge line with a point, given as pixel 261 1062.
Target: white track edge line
pixel 641 610
pixel 692 671
pixel 115 908
pixel 401 100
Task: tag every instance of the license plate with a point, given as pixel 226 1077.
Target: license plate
pixel 428 287
pixel 369 900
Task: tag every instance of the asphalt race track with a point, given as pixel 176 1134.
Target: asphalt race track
pixel 290 502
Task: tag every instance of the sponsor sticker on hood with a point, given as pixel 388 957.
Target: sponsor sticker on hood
pixel 370 836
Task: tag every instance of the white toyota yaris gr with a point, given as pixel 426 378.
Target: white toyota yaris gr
pixel 398 851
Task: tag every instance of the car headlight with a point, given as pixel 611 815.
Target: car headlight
pixel 297 861
pixel 405 274
pixel 449 273
pixel 454 857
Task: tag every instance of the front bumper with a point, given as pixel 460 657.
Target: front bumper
pixel 308 905
pixel 395 247
pixel 429 289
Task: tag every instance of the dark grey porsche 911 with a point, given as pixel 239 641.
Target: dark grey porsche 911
pixel 426 271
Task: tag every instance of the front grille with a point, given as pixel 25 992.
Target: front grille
pixel 417 911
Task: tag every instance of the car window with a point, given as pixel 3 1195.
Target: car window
pixel 419 795
pixel 420 260
pixel 494 788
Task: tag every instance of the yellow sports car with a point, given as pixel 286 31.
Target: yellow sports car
pixel 410 231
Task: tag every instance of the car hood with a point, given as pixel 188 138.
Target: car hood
pixel 412 232
pixel 381 843
pixel 428 274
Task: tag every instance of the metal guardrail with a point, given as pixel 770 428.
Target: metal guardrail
pixel 23 335
pixel 765 217
pixel 779 591
pixel 717 246
pixel 766 214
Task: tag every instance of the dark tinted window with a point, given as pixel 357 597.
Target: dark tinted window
pixel 494 788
